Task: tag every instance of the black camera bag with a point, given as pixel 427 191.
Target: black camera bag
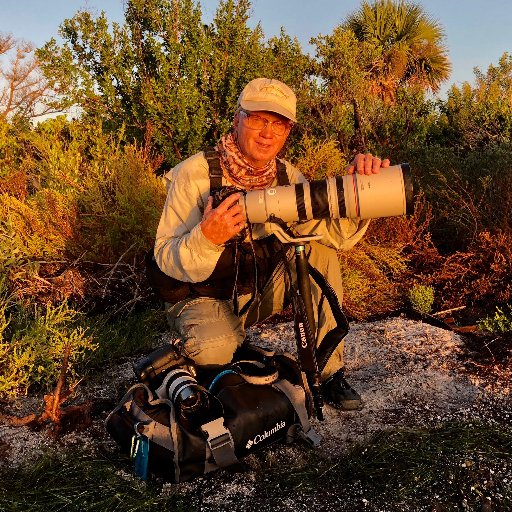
pixel 255 412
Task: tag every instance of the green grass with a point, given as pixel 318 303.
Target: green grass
pixel 453 466
pixel 448 468
pixel 499 323
pixel 124 336
pixel 80 481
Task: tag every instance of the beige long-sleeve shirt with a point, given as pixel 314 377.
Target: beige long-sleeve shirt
pixel 181 249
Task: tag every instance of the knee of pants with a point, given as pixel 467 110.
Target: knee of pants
pixel 210 332
pixel 211 351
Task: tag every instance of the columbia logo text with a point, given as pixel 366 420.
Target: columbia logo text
pixel 261 437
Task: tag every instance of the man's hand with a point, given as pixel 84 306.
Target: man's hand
pixel 224 222
pixel 367 164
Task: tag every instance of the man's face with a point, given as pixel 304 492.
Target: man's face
pixel 261 145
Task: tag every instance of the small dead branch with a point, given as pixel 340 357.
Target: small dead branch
pixel 60 417
pixel 55 400
pixel 113 269
pixel 447 311
pixel 29 421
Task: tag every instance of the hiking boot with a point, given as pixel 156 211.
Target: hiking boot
pixel 339 393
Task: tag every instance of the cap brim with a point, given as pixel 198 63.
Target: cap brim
pixel 267 106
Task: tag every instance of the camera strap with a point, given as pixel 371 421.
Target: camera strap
pixel 216 174
pixel 282 175
pixel 332 339
pixel 214 169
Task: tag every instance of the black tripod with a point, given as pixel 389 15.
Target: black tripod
pixel 312 356
pixel 305 327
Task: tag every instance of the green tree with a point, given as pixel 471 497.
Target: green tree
pixel 341 67
pixel 374 70
pixel 142 74
pixel 164 74
pixel 343 109
pixel 479 115
pixel 409 43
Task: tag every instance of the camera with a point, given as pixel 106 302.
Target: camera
pixel 152 369
pixel 219 194
pixel 387 194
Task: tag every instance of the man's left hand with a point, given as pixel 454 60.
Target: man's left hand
pixel 367 164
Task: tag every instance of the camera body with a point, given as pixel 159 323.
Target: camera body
pixel 152 369
pixel 218 195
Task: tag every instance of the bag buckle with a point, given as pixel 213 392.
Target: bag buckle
pixel 220 441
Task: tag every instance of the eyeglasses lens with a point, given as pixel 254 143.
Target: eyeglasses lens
pixel 255 122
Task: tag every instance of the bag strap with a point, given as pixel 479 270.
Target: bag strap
pixel 297 397
pixel 254 372
pixel 155 431
pixel 282 175
pixel 215 170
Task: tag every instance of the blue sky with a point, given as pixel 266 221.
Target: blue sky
pixel 478 32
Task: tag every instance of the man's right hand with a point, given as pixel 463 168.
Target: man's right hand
pixel 366 163
pixel 222 223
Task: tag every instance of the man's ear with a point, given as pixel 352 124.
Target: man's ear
pixel 236 119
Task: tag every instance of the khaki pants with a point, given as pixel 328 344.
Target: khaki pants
pixel 210 332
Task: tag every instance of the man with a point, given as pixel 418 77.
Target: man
pixel 224 295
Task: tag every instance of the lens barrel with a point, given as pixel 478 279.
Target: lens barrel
pixel 193 404
pixel 387 194
pixel 179 386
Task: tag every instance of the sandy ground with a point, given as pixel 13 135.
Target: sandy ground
pixel 409 374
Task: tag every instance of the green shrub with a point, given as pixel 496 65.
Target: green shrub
pixel 499 323
pixel 12 152
pixel 470 192
pixel 89 196
pixel 370 273
pixel 318 159
pixel 119 209
pixel 72 202
pixel 38 228
pixel 421 298
pixel 33 340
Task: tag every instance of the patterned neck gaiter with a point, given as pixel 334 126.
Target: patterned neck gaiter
pixel 237 170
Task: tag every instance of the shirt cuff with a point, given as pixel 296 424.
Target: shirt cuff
pixel 199 244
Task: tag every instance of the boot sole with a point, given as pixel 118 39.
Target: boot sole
pixel 346 405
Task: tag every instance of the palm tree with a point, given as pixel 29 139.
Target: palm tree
pixel 410 44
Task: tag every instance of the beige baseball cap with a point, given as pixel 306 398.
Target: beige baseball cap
pixel 269 95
